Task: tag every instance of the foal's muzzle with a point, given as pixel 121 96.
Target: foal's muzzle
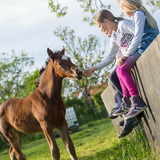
pixel 78 73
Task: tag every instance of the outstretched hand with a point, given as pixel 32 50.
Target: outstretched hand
pixel 122 60
pixel 89 71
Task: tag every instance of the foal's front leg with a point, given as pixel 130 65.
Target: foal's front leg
pixel 48 131
pixel 64 133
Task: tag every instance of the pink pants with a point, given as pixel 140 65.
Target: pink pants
pixel 129 88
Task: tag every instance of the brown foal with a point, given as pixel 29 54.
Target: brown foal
pixel 43 110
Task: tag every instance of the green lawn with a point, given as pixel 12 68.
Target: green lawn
pixel 95 141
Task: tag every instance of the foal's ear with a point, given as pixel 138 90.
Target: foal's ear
pixel 50 53
pixel 63 51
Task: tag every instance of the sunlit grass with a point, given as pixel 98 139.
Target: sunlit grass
pixel 95 141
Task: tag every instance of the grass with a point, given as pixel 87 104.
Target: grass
pixel 95 141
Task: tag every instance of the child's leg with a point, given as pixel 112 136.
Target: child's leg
pixel 124 76
pixel 115 81
pixel 117 100
pixel 137 104
pixel 124 89
pixel 128 86
pixel 124 108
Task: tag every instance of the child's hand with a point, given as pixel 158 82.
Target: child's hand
pixel 108 75
pixel 122 60
pixel 89 71
pixel 132 68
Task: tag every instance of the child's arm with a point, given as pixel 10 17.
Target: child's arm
pixel 106 61
pixel 139 19
pixel 127 26
pixel 110 56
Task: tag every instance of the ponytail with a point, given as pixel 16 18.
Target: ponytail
pixel 150 19
pixel 119 18
pixel 105 14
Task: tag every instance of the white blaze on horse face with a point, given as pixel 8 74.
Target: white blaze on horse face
pixel 64 57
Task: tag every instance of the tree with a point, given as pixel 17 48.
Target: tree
pixel 88 6
pixel 84 53
pixel 91 6
pixel 13 69
pixel 155 4
pixel 30 83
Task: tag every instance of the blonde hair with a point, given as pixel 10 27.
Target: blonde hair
pixel 132 5
pixel 105 14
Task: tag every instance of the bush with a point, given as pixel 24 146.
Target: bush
pixel 98 100
pixel 84 112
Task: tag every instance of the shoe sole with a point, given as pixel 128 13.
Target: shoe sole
pixel 126 133
pixel 120 113
pixel 112 117
pixel 134 115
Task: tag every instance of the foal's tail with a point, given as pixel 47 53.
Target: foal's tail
pixel 4 139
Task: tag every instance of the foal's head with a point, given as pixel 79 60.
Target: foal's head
pixel 63 65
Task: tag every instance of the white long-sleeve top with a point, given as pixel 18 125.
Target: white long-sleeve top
pixel 120 40
pixel 139 19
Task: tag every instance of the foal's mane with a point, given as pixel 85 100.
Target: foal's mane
pixel 41 73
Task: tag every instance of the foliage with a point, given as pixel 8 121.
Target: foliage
pixel 83 112
pixel 98 100
pixel 74 101
pixel 29 83
pixel 155 4
pixel 13 70
pixel 90 7
pixel 56 8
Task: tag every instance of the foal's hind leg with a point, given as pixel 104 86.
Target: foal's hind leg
pixel 12 152
pixel 64 133
pixel 48 131
pixel 13 138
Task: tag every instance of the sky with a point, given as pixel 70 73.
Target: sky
pixel 28 25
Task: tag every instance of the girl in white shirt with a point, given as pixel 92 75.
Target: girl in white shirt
pixel 121 33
